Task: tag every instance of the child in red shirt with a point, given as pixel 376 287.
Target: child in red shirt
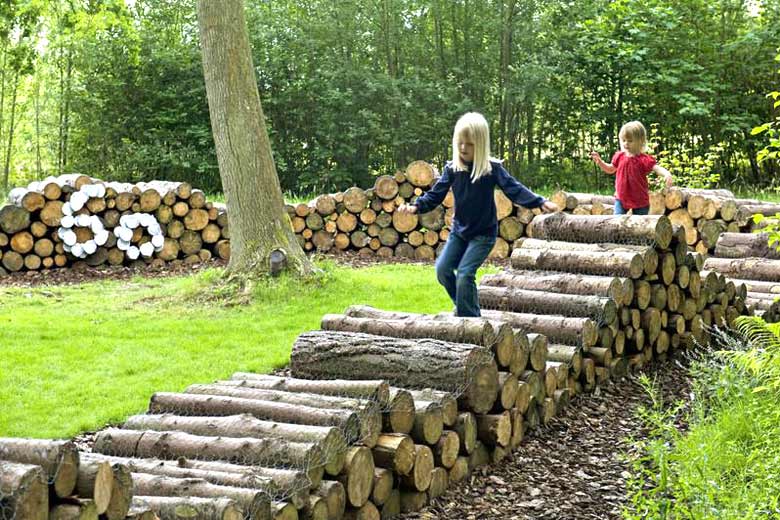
pixel 632 165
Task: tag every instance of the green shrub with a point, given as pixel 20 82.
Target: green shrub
pixel 726 465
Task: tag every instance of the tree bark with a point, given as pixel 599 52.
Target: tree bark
pixel 25 493
pixel 258 222
pixel 282 477
pixel 59 459
pixel 419 363
pixel 330 438
pixel 751 268
pixel 496 336
pixel 162 402
pixel 605 286
pixel 645 230
pixel 376 390
pixel 741 245
pixel 295 491
pixel 256 504
pixel 521 300
pixel 368 412
pixel 191 507
pixel 600 263
pixel 126 443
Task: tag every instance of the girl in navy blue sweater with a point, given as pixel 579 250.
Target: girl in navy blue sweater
pixel 473 175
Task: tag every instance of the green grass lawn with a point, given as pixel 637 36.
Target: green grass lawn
pixel 75 358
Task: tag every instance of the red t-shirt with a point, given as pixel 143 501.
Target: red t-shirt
pixel 631 187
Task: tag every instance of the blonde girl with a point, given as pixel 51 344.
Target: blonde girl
pixel 473 175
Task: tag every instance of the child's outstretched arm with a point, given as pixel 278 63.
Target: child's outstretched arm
pixel 608 168
pixel 433 197
pixel 521 195
pixel 666 174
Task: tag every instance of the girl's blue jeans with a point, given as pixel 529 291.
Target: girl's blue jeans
pixel 620 210
pixel 456 269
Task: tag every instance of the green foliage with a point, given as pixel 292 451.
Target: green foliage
pixel 771 226
pixel 692 170
pixel 771 129
pixel 75 358
pixel 762 361
pixel 725 464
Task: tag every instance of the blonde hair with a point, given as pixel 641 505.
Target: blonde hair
pixel 474 126
pixel 636 131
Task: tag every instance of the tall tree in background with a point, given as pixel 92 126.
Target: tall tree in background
pixel 258 222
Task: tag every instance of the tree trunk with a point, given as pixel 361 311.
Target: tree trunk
pixel 126 443
pixel 348 421
pixel 751 268
pixel 9 148
pixel 368 412
pixel 375 390
pixel 645 230
pixel 191 507
pixel 59 459
pixel 498 337
pixel 394 451
pixel 420 476
pixel 358 475
pixel 599 263
pixel 335 496
pixel 329 438
pixel 521 300
pixel 466 428
pixel 419 363
pixel 283 478
pixel 296 493
pixel 741 245
pixel 256 504
pixel 605 286
pixel 258 222
pixel 25 494
pixel 95 481
pixel 74 509
pixel 447 401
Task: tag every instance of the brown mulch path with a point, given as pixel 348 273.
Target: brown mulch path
pixel 572 468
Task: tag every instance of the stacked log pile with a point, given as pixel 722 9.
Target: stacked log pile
pixel 387 409
pixel 646 294
pixel 748 259
pixel 75 220
pixel 478 385
pixel 704 214
pixel 366 221
pixel 44 479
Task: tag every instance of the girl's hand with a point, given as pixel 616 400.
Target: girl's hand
pixel 407 208
pixel 549 207
pixel 669 181
pixel 595 156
